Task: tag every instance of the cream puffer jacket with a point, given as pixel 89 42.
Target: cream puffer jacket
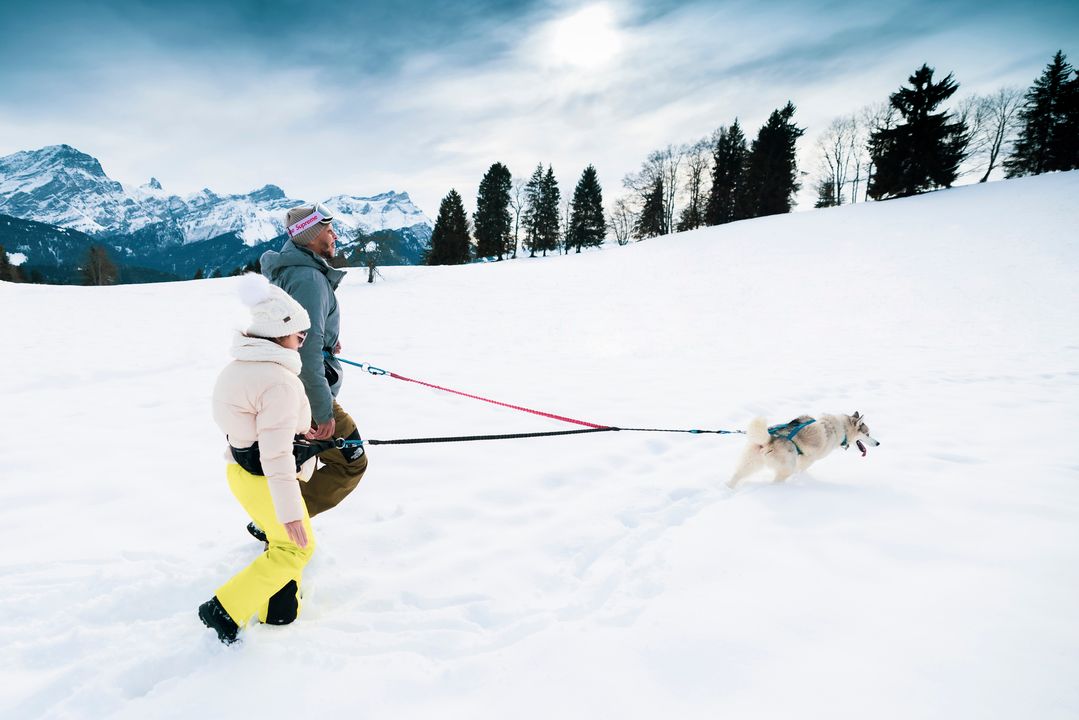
pixel 259 396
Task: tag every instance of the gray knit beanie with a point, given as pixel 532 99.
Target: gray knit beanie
pixel 305 234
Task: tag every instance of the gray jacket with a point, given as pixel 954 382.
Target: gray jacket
pixel 311 282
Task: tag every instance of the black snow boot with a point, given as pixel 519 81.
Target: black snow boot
pixel 257 532
pixel 214 617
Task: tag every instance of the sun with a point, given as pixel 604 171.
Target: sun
pixel 588 38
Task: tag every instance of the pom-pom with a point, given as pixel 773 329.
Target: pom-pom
pixel 254 288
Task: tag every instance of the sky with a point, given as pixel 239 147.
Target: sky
pixel 421 97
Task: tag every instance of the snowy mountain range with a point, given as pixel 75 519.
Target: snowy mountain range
pixel 61 186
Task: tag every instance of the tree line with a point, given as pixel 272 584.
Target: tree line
pixel 905 146
pixel 97 269
pixel 752 181
pixel 912 144
pixel 511 215
pixel 902 147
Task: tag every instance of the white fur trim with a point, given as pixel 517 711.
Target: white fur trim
pixel 254 349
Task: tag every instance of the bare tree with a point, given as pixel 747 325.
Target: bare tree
pixel 663 165
pixel 622 220
pixel 671 160
pixel 839 161
pixel 872 119
pixel 372 255
pixel 99 268
pixel 517 197
pixel 992 121
pixel 698 161
pixel 567 212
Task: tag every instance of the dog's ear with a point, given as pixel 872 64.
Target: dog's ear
pixel 857 415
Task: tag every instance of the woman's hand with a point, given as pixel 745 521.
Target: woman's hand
pixel 297 533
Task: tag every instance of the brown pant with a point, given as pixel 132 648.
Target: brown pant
pixel 336 476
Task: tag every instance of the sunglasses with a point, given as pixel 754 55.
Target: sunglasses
pixel 303 336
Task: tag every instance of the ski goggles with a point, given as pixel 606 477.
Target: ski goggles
pixel 320 214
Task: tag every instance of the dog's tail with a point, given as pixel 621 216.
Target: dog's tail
pixel 757 432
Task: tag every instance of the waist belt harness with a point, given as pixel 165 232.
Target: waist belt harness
pixel 250 459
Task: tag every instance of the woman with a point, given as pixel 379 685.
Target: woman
pixel 260 405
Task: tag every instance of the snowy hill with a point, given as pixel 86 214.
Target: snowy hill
pixel 607 575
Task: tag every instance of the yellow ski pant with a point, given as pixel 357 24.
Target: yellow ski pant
pixel 249 591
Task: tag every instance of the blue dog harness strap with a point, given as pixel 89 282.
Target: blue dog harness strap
pixel 790 430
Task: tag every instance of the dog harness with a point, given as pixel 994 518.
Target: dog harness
pixel 788 431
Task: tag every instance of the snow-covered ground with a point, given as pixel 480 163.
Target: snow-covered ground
pixel 597 576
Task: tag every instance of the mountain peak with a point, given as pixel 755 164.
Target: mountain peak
pixel 153 184
pixel 267 192
pixel 51 157
pixel 68 156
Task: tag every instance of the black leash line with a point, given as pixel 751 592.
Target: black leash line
pixel 342 443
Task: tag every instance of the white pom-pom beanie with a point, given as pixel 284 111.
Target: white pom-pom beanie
pixel 274 313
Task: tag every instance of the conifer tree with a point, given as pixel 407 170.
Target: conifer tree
pixel 532 211
pixel 771 176
pixel 450 242
pixel 552 203
pixel 7 270
pixel 924 151
pixel 1049 138
pixel 728 176
pixel 587 225
pixel 546 218
pixel 99 268
pixel 492 220
pixel 826 194
pixel 689 219
pixel 652 221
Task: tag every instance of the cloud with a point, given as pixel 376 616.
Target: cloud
pixel 424 96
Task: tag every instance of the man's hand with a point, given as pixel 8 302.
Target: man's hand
pixel 337 348
pixel 322 431
pixel 297 533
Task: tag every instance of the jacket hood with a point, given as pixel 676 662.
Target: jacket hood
pixel 292 255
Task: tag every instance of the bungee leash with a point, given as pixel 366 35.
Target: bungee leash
pixel 379 371
pixel 590 427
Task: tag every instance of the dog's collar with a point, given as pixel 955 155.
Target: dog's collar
pixel 844 443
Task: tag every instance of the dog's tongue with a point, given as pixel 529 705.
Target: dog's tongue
pixel 860 446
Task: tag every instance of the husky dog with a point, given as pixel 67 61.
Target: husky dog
pixel 793 447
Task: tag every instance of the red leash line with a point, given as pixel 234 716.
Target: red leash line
pixel 496 402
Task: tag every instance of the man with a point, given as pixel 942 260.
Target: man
pixel 301 269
